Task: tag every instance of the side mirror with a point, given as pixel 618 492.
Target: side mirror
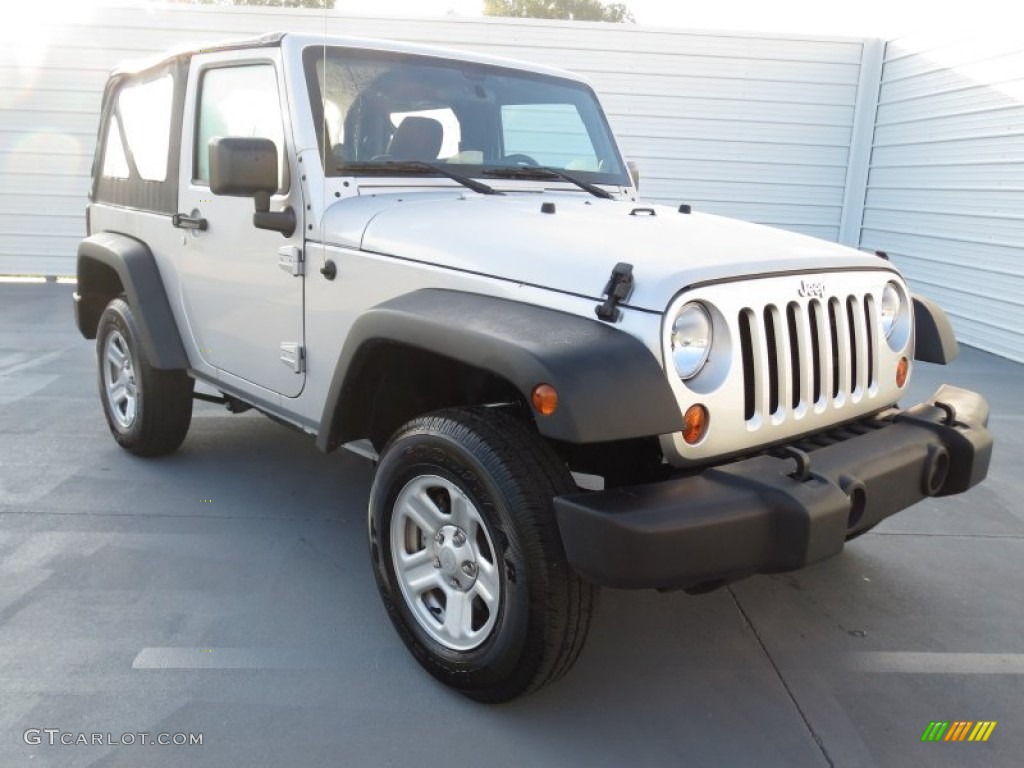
pixel 245 167
pixel 634 172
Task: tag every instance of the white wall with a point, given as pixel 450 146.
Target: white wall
pixel 945 193
pixel 754 127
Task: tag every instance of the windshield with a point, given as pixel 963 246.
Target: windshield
pixel 378 109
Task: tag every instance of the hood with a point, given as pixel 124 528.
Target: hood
pixel 574 249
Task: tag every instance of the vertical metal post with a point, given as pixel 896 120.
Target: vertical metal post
pixel 861 141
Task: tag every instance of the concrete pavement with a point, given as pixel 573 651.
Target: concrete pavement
pixel 226 590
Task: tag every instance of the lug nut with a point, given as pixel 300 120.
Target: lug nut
pixel 439 537
pixel 459 539
pixel 455 583
pixel 437 562
pixel 469 568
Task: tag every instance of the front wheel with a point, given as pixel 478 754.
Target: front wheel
pixel 468 557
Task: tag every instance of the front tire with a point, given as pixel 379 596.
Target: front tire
pixel 148 410
pixel 467 554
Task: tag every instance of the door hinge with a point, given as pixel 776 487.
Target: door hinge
pixel 294 356
pixel 289 258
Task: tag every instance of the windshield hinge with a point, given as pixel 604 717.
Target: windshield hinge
pixel 289 258
pixel 618 289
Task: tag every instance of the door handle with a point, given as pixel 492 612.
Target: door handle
pixel 184 221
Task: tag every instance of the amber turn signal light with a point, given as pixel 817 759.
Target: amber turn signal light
pixel 902 369
pixel 695 424
pixel 545 399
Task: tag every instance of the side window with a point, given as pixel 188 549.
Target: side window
pixel 115 163
pixel 552 134
pixel 146 117
pixel 239 101
pixel 136 161
pixel 144 111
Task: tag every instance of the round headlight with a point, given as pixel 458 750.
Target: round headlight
pixel 691 339
pixel 892 304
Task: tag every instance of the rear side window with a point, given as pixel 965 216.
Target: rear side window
pixel 139 135
pixel 146 116
pixel 138 158
pixel 115 162
pixel 239 101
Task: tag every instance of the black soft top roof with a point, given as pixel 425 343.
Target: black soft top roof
pixel 271 40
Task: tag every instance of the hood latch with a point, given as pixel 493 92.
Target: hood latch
pixel 618 289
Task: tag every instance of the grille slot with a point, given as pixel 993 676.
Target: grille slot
pixel 747 353
pixel 815 312
pixel 869 326
pixel 792 322
pixel 771 341
pixel 804 355
pixel 833 327
pixel 855 341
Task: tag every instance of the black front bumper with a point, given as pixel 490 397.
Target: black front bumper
pixel 769 514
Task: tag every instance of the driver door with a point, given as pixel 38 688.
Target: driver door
pixel 242 287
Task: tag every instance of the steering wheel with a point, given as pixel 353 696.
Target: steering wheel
pixel 520 159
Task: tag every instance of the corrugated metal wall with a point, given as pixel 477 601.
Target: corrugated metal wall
pixel 945 192
pixel 758 127
pixel 754 127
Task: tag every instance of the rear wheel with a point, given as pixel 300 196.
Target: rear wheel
pixel 148 410
pixel 467 553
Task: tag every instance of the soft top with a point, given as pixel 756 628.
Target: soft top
pixel 138 66
pixel 276 40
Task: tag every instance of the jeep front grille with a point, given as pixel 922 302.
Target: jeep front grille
pixel 806 354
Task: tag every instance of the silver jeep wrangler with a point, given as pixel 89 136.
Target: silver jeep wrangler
pixel 439 260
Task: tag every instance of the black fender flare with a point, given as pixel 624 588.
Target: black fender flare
pixel 934 340
pixel 610 386
pixel 140 279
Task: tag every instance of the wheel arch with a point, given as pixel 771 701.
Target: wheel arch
pixel 935 341
pixel 391 382
pixel 481 350
pixel 112 264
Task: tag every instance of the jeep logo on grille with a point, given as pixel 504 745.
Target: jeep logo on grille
pixel 809 288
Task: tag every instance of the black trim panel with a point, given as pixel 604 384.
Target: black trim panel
pixel 935 341
pixel 610 386
pixel 140 278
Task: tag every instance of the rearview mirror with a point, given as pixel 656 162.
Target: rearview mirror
pixel 247 167
pixel 243 167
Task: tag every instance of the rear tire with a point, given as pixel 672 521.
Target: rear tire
pixel 468 557
pixel 148 410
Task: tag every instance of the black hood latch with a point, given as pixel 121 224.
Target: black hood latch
pixel 618 289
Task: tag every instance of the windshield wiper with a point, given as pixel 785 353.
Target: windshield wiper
pixel 414 166
pixel 547 172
